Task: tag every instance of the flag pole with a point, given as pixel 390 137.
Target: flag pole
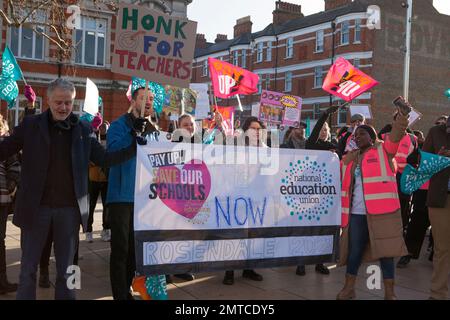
pixel 145 99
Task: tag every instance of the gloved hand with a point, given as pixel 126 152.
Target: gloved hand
pixel 140 125
pixel 332 110
pixel 30 94
pixel 140 140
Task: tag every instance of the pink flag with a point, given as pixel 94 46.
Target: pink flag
pixel 229 80
pixel 346 82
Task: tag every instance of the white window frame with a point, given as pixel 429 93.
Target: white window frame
pixel 340 113
pixel 236 58
pixel 319 41
pixel 260 52
pixel 269 51
pixel 345 32
pixel 289 47
pixel 205 68
pixel 318 74
pixel 288 81
pixel 357 63
pixel 267 82
pixel 316 111
pixel 78 102
pixel 96 32
pixel 19 44
pixel 357 38
pixel 17 108
pixel 260 85
pixel 244 58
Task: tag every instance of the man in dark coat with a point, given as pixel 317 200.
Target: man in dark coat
pixel 438 202
pixel 56 150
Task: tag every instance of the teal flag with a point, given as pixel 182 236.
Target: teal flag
pixel 156 287
pixel 10 74
pixel 430 164
pixel 308 128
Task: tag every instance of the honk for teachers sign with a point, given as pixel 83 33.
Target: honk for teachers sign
pixel 154 46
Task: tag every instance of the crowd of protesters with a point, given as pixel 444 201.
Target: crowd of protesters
pixel 84 160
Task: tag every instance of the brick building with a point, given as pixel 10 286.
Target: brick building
pixel 294 52
pixel 40 63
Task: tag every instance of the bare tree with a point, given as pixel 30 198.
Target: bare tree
pixel 48 18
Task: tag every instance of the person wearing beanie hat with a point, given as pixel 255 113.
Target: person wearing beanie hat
pixel 370 207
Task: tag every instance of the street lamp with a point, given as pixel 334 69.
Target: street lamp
pixel 408 6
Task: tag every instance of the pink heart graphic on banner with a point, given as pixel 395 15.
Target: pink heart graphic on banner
pixel 190 189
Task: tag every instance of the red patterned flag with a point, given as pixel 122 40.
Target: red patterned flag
pixel 229 80
pixel 347 82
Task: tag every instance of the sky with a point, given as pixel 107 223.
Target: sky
pixel 219 16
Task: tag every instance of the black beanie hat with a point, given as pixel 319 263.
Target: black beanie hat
pixel 370 130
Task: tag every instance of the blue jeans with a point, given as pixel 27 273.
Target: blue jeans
pixel 358 238
pixel 65 223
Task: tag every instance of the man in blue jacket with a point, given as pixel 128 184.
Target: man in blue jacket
pixel 53 193
pixel 120 197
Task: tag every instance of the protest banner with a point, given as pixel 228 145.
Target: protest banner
pixel 361 109
pixel 91 99
pixel 347 82
pixel 414 116
pixel 202 105
pixel 229 80
pixel 280 108
pixel 205 208
pixel 153 46
pixel 228 118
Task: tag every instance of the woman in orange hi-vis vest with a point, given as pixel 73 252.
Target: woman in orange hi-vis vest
pixel 371 219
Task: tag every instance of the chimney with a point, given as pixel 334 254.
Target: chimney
pixel 221 38
pixel 333 4
pixel 243 25
pixel 285 11
pixel 200 41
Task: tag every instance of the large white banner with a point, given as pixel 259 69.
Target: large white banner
pixel 210 207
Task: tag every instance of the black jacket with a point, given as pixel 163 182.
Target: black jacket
pixel 32 137
pixel 437 192
pixel 314 143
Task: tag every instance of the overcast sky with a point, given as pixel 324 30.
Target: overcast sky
pixel 219 16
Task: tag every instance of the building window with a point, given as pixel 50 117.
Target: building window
pixel 342 116
pixel 259 52
pixel 260 84
pixel 244 58
pixel 90 42
pixel 356 63
pixel 289 47
pixel 16 114
pixel 318 77
pixel 357 30
pixel 319 41
pixel 316 111
pixel 205 68
pixel 267 87
pixel 288 82
pixel 269 51
pixel 25 43
pixel 78 107
pixel 236 58
pixel 345 32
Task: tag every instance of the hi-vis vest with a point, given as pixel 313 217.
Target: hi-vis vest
pixel 379 184
pixel 405 148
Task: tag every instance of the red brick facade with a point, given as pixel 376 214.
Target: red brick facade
pixel 374 53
